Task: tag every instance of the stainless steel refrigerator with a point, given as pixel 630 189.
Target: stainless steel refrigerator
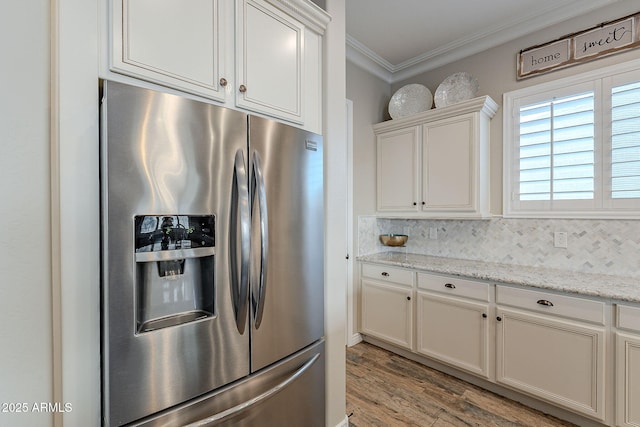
pixel 212 265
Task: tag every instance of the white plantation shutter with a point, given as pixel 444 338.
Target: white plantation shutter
pixel 557 149
pixel 625 141
pixel 572 146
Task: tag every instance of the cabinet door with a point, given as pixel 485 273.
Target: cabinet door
pixel 454 331
pixel 627 380
pixel 175 43
pixel 559 361
pixel 269 61
pixel 398 160
pixel 449 166
pixel 387 313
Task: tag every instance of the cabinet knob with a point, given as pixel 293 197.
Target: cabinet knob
pixel 545 302
pixel 423 203
pixel 223 82
pixel 484 315
pixel 415 204
pixel 499 319
pixel 385 274
pixel 449 285
pixel 242 88
pixel 408 298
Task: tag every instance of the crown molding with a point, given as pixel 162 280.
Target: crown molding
pixel 365 58
pixel 312 15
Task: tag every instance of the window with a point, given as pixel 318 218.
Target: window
pixel 572 146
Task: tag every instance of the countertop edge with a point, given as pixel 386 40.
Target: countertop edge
pixel 618 288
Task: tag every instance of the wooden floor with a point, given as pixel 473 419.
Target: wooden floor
pixel 384 389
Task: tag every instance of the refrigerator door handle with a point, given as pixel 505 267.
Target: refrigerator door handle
pixel 235 410
pixel 259 284
pixel 240 230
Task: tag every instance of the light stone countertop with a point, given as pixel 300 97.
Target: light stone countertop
pixel 598 285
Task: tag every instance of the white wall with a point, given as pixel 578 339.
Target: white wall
pixel 335 140
pixel 370 96
pixel 75 195
pixel 25 256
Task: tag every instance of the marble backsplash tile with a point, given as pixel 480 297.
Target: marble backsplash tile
pixel 596 246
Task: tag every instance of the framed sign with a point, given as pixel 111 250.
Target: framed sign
pixel 602 40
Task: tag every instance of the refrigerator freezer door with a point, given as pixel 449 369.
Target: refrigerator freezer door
pixel 166 156
pixel 287 268
pixel 289 393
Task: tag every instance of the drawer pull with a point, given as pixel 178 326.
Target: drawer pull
pixel 545 302
pixel 385 274
pixel 449 285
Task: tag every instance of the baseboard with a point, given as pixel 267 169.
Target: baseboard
pixel 354 339
pixel 344 423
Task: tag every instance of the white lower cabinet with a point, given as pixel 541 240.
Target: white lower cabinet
pixel 556 347
pixel 627 379
pixel 387 305
pixel 549 356
pixel 451 327
pixel 628 366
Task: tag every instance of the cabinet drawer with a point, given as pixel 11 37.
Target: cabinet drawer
pixel 628 317
pixel 549 303
pixel 454 286
pixel 388 274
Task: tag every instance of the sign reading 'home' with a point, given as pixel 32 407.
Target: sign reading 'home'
pixel 605 39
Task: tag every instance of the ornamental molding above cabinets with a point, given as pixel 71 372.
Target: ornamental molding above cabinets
pixel 308 13
pixel 483 104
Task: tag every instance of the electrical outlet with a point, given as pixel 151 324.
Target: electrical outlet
pixel 560 239
pixel 433 233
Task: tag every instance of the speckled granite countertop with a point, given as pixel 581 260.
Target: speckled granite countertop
pixel 597 285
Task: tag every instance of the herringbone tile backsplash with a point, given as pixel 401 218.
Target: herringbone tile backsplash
pixel 596 246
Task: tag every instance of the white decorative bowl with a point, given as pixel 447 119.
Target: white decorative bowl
pixel 410 99
pixel 455 88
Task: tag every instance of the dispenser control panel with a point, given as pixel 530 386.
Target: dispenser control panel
pixel 174 232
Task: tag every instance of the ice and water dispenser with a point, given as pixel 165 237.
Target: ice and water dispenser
pixel 175 261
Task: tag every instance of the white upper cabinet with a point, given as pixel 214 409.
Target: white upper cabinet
pixel 398 159
pixel 265 36
pixel 436 163
pixel 449 158
pixel 175 43
pixel 262 56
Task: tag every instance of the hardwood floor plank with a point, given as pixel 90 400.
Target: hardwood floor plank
pixel 388 390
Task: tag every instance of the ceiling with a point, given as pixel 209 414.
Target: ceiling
pixel 401 38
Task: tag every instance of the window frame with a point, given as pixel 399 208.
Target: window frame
pixel 602 206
